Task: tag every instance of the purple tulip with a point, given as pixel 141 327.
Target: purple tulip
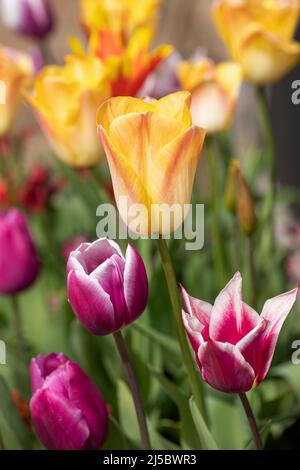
pixel 19 265
pixel 30 17
pixel 67 409
pixel 106 290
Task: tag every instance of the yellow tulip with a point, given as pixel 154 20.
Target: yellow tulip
pixel 120 17
pixel 65 100
pixel 153 151
pixel 259 35
pixel 214 89
pixel 16 72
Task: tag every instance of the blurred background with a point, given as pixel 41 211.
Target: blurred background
pixel 188 26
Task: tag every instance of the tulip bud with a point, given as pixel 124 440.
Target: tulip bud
pixel 67 409
pixel 245 205
pixel 19 263
pixel 30 17
pixel 106 291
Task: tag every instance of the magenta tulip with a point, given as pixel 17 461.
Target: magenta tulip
pixel 30 17
pixel 19 265
pixel 106 291
pixel 68 411
pixel 233 345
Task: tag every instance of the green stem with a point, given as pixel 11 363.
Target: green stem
pixel 194 376
pixel 18 327
pixel 100 185
pixel 252 277
pixel 216 230
pixel 252 421
pixel 132 382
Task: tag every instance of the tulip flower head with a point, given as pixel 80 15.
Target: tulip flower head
pixel 67 409
pixel 153 152
pixel 30 17
pixel 259 35
pixel 19 263
pixel 233 345
pixel 120 17
pixel 65 100
pixel 215 90
pixel 106 290
pixel 16 72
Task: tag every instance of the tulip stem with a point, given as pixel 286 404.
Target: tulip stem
pixel 194 376
pixel 252 278
pixel 18 327
pixel 123 352
pixel 252 421
pixel 215 203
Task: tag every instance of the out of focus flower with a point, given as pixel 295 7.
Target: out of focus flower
pixel 30 17
pixel 120 17
pixel 19 263
pixel 259 35
pixel 164 80
pixel 106 290
pixel 40 187
pixel 65 100
pixel 4 194
pixel 16 71
pixel 127 67
pixel 72 245
pixel 215 90
pixel 293 266
pixel 233 345
pixel 286 228
pixel 153 152
pixel 67 409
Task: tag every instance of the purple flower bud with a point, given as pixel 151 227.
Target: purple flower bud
pixel 30 17
pixel 67 409
pixel 19 265
pixel 106 290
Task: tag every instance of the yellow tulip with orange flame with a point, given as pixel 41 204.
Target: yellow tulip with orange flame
pixel 119 17
pixel 153 152
pixel 65 100
pixel 215 90
pixel 259 35
pixel 16 73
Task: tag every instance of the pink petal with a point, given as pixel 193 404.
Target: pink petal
pixel 224 367
pixel 231 319
pixel 135 283
pixel 91 303
pixel 274 312
pixel 251 346
pixel 194 330
pixel 196 307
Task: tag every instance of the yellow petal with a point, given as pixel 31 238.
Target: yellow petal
pixel 230 75
pixel 192 74
pixel 176 106
pixel 266 59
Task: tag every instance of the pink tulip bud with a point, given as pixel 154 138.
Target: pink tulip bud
pixel 67 409
pixel 233 345
pixel 106 290
pixel 30 17
pixel 19 265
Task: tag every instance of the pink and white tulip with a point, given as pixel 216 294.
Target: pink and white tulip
pixel 106 290
pixel 233 344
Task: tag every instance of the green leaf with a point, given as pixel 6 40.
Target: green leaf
pixel 14 434
pixel 189 436
pixel 167 343
pixel 207 440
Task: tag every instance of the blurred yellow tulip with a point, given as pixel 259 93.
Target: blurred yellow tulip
pixel 214 89
pixel 259 35
pixel 120 17
pixel 153 152
pixel 16 72
pixel 65 100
